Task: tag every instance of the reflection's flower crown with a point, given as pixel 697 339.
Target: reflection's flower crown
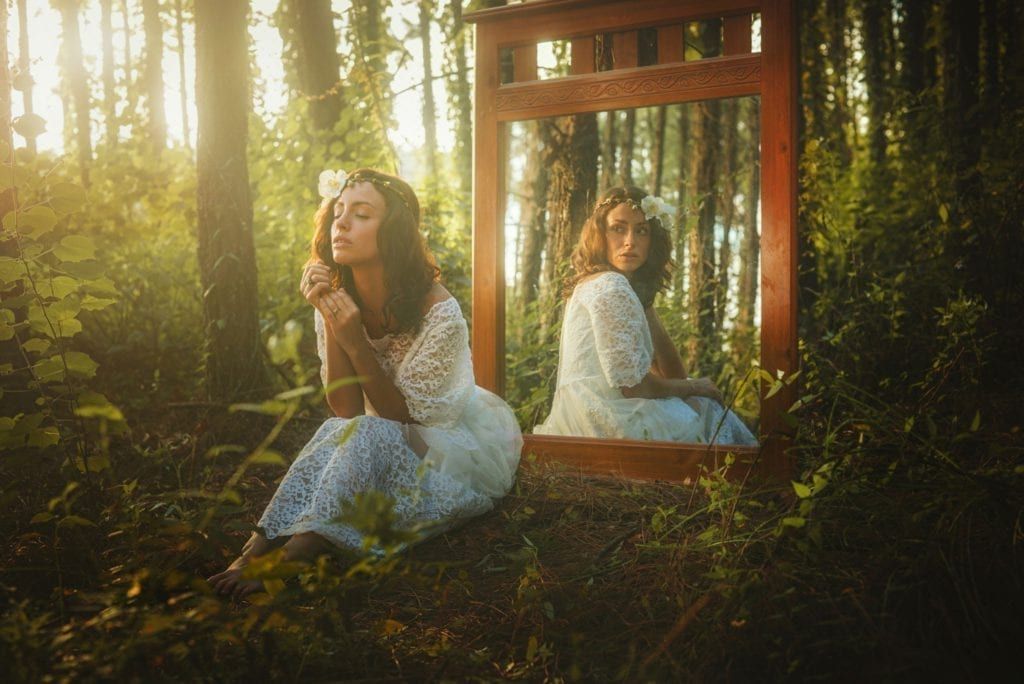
pixel 331 184
pixel 651 206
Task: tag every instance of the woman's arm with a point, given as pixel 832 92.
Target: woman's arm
pixel 667 361
pixel 344 319
pixel 656 387
pixel 346 401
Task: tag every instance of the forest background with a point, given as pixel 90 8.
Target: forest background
pixel 157 366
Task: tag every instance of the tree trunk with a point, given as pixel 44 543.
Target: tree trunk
pixel 626 156
pixel 991 91
pixel 179 27
pixel 683 195
pixel 728 205
pixel 609 166
pixel 960 79
pixel 534 228
pixel 751 245
pixel 316 45
pixel 461 94
pixel 25 65
pixel 154 74
pixel 76 83
pixel 109 83
pixel 227 263
pixel 837 60
pixel 429 109
pixel 875 58
pixel 658 150
pixel 913 34
pixel 704 172
pixel 127 32
pixel 814 123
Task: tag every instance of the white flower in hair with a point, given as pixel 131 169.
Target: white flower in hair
pixel 655 207
pixel 331 183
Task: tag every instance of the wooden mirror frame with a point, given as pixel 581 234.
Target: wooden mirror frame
pixel 771 74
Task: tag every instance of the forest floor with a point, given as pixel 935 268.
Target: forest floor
pixel 570 578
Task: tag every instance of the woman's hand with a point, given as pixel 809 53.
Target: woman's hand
pixel 702 387
pixel 342 318
pixel 316 281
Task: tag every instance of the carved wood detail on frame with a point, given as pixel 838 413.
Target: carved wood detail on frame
pixel 704 77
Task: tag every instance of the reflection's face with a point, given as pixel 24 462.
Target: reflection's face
pixel 628 239
pixel 357 217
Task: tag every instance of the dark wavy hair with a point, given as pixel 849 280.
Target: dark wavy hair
pixel 409 267
pixel 591 253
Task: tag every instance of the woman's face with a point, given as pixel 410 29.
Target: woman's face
pixel 357 217
pixel 628 238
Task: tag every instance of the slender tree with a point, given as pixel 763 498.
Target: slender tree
pixel 126 28
pixel 534 218
pixel 429 108
pixel 76 84
pixel 728 207
pixel 628 143
pixel 750 249
pixel 703 172
pixel 461 99
pixel 109 82
pixel 683 195
pixel 24 66
pixel 658 149
pixel 179 31
pixel 609 152
pixel 153 76
pixel 836 40
pixel 315 44
pixel 876 45
pixel 227 262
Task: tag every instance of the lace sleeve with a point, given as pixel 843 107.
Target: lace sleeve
pixel 321 344
pixel 436 375
pixel 621 335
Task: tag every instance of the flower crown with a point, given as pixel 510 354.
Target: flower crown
pixel 651 206
pixel 331 184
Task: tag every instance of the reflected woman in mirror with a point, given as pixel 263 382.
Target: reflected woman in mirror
pixel 619 374
pixel 408 420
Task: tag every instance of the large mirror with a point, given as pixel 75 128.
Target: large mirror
pixel 695 102
pixel 701 157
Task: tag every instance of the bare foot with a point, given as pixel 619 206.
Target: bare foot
pixel 230 581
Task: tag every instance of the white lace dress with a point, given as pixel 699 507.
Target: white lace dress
pixel 606 345
pixel 460 455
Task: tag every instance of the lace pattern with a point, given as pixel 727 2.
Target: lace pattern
pixel 621 336
pixel 332 468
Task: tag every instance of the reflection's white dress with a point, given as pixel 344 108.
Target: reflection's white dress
pixel 467 438
pixel 605 345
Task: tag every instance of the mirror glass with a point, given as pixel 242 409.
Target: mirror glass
pixel 701 157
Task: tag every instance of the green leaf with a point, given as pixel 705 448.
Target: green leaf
pixel 802 490
pixel 6 324
pixel 11 270
pixel 944 213
pixel 269 408
pixel 66 198
pixel 794 522
pixel 35 221
pixel 29 125
pixel 269 457
pixel 44 436
pixel 295 393
pixel 49 370
pixel 22 81
pixel 80 364
pixel 776 386
pixel 90 303
pixel 75 248
pixel 45 516
pixel 75 521
pixel 59 287
pixel 976 423
pixel 108 411
pixel 86 270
